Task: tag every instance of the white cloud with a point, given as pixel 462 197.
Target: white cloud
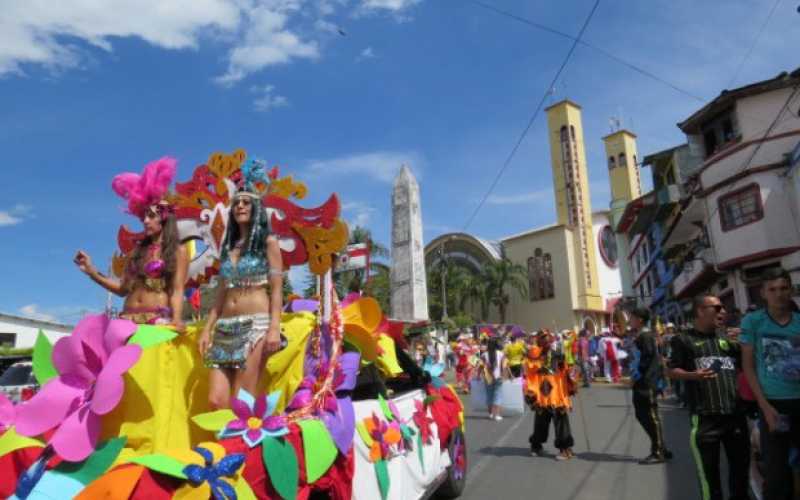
pixel 255 33
pixel 360 213
pixel 15 215
pixel 267 41
pixel 266 98
pixel 365 54
pixel 521 198
pixel 382 166
pixel 388 5
pixel 33 311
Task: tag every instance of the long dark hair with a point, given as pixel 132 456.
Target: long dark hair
pixel 494 346
pixel 259 231
pixel 169 247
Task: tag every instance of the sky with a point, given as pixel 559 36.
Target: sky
pixel 338 93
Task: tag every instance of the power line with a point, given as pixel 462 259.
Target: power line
pixel 606 53
pixel 533 117
pixel 753 44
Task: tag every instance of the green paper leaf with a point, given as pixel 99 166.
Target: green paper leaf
pixel 420 452
pixel 383 477
pixel 362 431
pixel 430 399
pixel 150 335
pixel 10 441
pixel 407 431
pixel 385 408
pixel 161 463
pixel 96 464
pixel 318 448
pixel 282 467
pixel 43 367
pixel 214 420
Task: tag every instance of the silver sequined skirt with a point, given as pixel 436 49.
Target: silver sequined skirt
pixel 234 339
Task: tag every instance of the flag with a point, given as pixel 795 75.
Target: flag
pixel 355 257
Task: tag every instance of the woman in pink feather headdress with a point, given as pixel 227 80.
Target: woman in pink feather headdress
pixel 156 269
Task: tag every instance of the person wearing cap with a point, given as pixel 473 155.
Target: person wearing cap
pixel 646 371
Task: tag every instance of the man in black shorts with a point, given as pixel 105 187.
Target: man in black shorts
pixel 708 363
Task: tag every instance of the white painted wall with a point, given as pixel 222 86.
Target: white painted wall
pixel 610 277
pixel 27 330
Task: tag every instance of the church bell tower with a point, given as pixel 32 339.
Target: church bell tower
pixel 574 208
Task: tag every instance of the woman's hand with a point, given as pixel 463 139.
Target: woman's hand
pixel 273 341
pixel 179 326
pixel 770 416
pixel 84 263
pixel 204 341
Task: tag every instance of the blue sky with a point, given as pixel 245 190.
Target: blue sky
pixel 92 88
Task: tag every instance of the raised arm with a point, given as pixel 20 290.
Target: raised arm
pixel 84 263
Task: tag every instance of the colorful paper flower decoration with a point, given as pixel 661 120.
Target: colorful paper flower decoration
pixel 383 435
pixel 210 478
pixel 90 364
pixel 337 411
pixel 255 418
pixel 422 421
pixel 8 413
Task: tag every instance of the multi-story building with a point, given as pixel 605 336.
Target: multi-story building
pixel 739 213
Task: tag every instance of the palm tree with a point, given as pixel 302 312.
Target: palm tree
pixel 499 276
pixel 476 291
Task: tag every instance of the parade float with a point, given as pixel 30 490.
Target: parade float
pixel 122 411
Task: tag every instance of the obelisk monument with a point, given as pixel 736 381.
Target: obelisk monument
pixel 409 299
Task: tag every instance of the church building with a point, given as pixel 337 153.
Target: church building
pixel 572 265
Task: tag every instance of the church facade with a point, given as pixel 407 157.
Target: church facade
pixel 572 265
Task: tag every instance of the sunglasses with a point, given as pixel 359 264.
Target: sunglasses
pixel 717 307
pixel 242 201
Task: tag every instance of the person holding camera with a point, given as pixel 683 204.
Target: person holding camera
pixel 708 362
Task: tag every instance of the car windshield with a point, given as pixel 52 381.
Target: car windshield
pixel 17 375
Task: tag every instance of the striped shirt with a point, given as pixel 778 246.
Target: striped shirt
pixel 695 350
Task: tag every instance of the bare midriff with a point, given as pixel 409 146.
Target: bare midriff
pixel 142 298
pixel 247 300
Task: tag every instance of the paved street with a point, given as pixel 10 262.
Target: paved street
pixel 608 444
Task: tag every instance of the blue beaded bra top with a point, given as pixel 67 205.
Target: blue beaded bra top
pixel 250 271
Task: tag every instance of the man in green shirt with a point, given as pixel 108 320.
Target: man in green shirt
pixel 771 360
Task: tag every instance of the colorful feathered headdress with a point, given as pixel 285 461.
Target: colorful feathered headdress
pixel 254 179
pixel 149 188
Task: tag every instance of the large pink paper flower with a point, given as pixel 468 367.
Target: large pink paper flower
pixel 8 414
pixel 90 365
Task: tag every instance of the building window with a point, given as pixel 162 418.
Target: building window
pixel 622 161
pixel 740 207
pixel 540 276
pixel 572 132
pixel 611 162
pixel 635 161
pixel 8 339
pixel 719 132
pixel 564 136
pixel 608 246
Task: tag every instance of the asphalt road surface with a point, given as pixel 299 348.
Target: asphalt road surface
pixel 608 444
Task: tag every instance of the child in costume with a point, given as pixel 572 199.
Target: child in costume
pixel 167 384
pixel 548 390
pixel 245 319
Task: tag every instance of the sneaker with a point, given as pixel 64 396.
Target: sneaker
pixel 537 451
pixel 498 417
pixel 652 459
pixel 667 455
pixel 564 455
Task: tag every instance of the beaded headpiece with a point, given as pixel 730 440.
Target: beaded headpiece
pixel 254 179
pixel 148 189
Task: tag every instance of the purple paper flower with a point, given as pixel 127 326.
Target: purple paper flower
pixel 90 364
pixel 337 411
pixel 255 419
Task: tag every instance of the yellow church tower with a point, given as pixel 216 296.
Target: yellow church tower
pixel 574 208
pixel 623 168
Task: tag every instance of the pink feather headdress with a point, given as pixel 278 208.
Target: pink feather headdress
pixel 148 189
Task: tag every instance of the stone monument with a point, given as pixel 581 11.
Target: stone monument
pixel 409 298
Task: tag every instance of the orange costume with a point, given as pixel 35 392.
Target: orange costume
pixel 547 382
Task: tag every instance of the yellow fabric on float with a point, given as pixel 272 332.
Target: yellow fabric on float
pixel 284 370
pixel 163 390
